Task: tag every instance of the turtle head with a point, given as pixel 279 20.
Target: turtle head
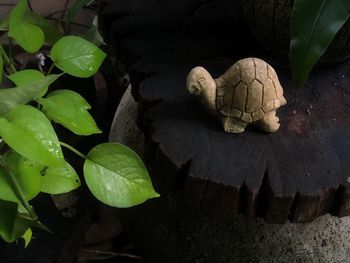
pixel 199 81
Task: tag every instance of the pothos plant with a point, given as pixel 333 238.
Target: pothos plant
pixel 314 24
pixel 31 158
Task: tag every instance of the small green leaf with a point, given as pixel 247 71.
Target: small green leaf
pixel 117 176
pixel 27 237
pixel 314 24
pixel 1 66
pixel 10 98
pixel 7 218
pixel 60 180
pixel 69 109
pixel 27 130
pixel 73 10
pixel 27 174
pixel 77 56
pixel 94 36
pixel 28 36
pixel 26 76
pixel 4 23
pixel 16 15
pixel 51 31
pixel 13 225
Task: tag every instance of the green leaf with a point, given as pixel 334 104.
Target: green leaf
pixel 69 109
pixel 28 36
pixel 13 225
pixel 27 237
pixel 26 76
pixel 77 56
pixel 27 130
pixel 314 24
pixel 4 23
pixel 117 176
pixel 73 10
pixel 51 31
pixel 94 36
pixel 10 98
pixel 1 66
pixel 27 174
pixel 60 180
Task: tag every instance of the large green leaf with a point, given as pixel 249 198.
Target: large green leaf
pixel 13 225
pixel 60 180
pixel 51 31
pixel 69 109
pixel 117 176
pixel 77 56
pixel 27 130
pixel 27 174
pixel 314 24
pixel 29 36
pixel 10 98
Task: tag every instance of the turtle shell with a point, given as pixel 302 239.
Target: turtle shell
pixel 248 90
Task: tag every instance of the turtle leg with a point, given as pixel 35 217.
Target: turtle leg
pixel 269 123
pixel 233 125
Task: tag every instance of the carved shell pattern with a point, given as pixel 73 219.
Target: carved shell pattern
pixel 248 90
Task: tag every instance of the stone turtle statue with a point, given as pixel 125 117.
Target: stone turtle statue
pixel 249 92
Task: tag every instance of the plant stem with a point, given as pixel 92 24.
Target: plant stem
pixel 71 148
pixel 50 69
pixel 7 59
pixel 19 190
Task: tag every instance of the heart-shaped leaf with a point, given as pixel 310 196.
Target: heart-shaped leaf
pixel 51 31
pixel 27 130
pixel 59 180
pixel 77 56
pixel 117 176
pixel 314 24
pixel 69 109
pixel 28 36
pixel 10 98
pixel 27 174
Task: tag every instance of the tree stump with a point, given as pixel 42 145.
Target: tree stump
pixel 206 176
pixel 298 173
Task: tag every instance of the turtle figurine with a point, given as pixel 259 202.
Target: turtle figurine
pixel 249 92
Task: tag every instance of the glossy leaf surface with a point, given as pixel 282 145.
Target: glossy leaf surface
pixel 27 130
pixel 60 180
pixel 314 24
pixel 77 56
pixel 117 176
pixel 69 109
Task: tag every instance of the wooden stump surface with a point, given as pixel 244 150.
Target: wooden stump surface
pixel 298 173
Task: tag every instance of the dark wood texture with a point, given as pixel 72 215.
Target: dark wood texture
pixel 298 173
